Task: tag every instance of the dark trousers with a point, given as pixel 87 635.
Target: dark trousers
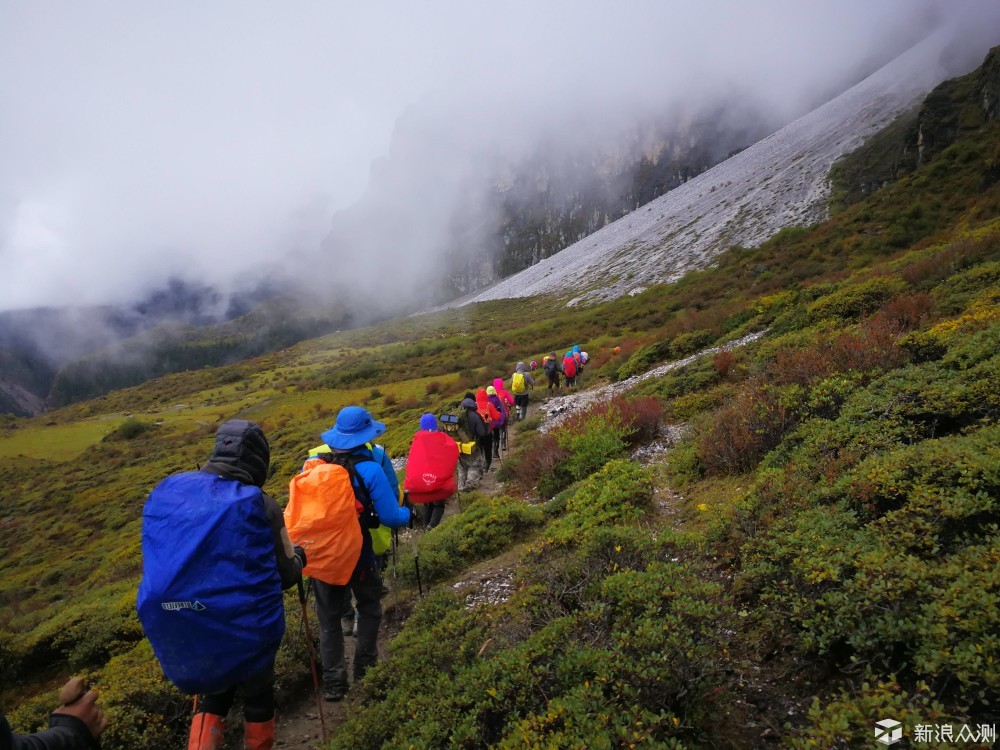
pixel 486 445
pixel 433 513
pixel 497 434
pixel 366 584
pixel 553 380
pixel 258 698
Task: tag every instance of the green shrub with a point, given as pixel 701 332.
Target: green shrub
pixel 130 429
pixel 856 300
pixel 644 359
pixel 847 719
pixel 485 527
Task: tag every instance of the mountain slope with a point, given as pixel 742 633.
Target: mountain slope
pixel 778 182
pixel 780 568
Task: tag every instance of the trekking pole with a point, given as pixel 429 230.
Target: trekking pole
pixel 395 583
pixel 420 585
pixel 312 658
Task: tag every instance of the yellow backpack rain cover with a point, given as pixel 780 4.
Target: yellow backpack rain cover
pixel 322 518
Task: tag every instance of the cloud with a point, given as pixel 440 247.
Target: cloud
pixel 216 141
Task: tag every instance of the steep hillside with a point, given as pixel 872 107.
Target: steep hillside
pixel 818 551
pixel 776 183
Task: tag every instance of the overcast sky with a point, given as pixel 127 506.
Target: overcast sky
pixel 139 140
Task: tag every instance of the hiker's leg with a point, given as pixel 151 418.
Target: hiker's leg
pixel 367 587
pixel 488 450
pixel 475 469
pixel 207 731
pixel 347 613
pixel 258 710
pixel 496 443
pixel 436 513
pixel 463 471
pixel 329 604
pixel 258 696
pixel 426 514
pixel 217 703
pixel 208 726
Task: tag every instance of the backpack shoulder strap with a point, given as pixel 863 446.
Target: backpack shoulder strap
pixel 350 462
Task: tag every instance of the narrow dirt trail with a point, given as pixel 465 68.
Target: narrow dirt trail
pixel 298 723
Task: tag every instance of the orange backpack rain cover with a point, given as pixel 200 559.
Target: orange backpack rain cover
pixel 430 467
pixel 322 518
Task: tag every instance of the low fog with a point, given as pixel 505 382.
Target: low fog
pixel 228 142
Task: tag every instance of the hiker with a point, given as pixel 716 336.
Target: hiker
pixel 213 537
pixel 381 539
pixel 490 416
pixel 520 382
pixel 569 369
pixel 552 370
pixel 75 726
pixel 507 399
pixel 498 424
pixel 430 470
pixel 348 563
pixel 471 460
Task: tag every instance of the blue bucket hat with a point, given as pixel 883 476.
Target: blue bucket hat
pixel 428 422
pixel 354 427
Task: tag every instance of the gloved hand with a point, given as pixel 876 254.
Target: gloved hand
pixel 301 555
pixel 410 507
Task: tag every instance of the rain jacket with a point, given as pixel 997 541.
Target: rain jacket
pixel 483 406
pixel 473 425
pixel 522 368
pixel 65 732
pixel 384 498
pixel 505 396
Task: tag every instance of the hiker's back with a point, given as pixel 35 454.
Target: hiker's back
pixel 430 467
pixel 322 518
pixel 210 600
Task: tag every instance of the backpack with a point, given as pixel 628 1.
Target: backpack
pixel 517 384
pixel 210 600
pixel 569 367
pixel 550 366
pixel 325 516
pixel 430 467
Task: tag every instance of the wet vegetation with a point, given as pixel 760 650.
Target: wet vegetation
pixel 818 552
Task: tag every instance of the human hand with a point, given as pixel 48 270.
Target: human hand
pixel 85 709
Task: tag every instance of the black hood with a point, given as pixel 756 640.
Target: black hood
pixel 241 445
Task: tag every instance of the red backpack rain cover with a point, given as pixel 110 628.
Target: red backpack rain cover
pixel 430 467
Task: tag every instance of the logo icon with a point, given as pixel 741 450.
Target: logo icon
pixel 178 606
pixel 888 731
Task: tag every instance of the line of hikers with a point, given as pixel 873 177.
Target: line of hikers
pixel 218 551
pixel 570 366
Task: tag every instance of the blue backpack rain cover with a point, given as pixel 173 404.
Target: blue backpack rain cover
pixel 210 600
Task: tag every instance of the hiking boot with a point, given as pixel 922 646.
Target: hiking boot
pixel 334 694
pixel 206 732
pixel 258 735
